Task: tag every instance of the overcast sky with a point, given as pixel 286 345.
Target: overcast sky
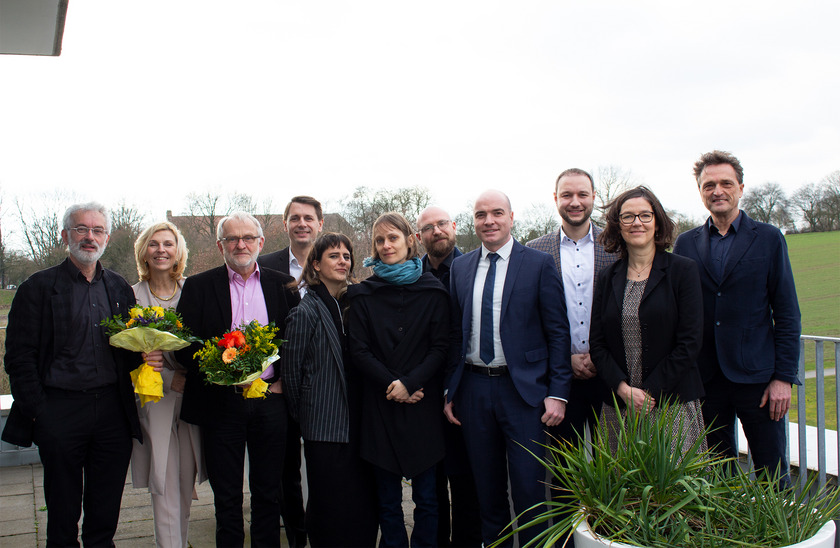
pixel 150 101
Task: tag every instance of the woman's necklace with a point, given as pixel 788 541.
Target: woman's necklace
pixel 158 297
pixel 640 270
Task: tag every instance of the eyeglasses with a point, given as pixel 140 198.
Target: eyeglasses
pixel 234 240
pixel 628 218
pixel 443 223
pixel 82 230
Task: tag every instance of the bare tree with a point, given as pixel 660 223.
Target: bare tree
pixel 205 210
pixel 683 221
pixel 610 181
pixel 767 203
pixel 819 204
pixel 42 229
pixel 126 224
pixel 537 221
pixel 465 235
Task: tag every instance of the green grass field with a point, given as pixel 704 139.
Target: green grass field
pixel 816 268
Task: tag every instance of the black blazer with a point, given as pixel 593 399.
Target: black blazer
pixel 205 308
pixel 38 327
pixel 671 318
pixel 279 260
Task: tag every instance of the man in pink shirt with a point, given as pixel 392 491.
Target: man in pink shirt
pixel 212 303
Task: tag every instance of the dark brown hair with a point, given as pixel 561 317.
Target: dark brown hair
pixel 665 232
pixel 306 200
pixel 574 171
pixel 717 157
pixel 325 242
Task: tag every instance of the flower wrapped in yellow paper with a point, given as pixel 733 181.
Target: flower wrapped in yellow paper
pixel 241 357
pixel 148 328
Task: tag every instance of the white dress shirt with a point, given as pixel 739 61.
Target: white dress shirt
pixel 577 262
pixel 474 348
pixel 296 270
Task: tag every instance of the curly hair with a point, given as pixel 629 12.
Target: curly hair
pixel 663 236
pixel 717 157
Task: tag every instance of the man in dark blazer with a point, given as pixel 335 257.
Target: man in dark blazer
pixel 510 371
pixel 750 353
pixel 584 259
pixel 72 390
pixel 212 303
pixel 303 221
pixel 456 494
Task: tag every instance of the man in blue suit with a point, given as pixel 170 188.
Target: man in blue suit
pixel 510 370
pixel 750 352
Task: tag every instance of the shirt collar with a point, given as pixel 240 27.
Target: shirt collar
pixel 503 252
pixel 563 236
pixel 736 224
pixel 234 276
pixel 75 272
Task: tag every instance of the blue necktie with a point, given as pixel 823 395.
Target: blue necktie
pixel 487 349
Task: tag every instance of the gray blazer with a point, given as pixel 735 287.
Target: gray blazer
pixel 313 373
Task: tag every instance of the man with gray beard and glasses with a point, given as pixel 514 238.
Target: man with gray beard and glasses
pixel 72 390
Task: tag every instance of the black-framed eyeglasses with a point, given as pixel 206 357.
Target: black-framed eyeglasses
pixel 443 223
pixel 628 218
pixel 234 240
pixel 83 230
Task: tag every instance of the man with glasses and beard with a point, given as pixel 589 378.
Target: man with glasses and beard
pixel 212 303
pixel 72 390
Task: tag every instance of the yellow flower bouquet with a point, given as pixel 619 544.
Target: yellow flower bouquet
pixel 148 328
pixel 241 357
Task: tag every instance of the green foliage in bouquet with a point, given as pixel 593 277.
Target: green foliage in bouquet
pixel 153 317
pixel 238 354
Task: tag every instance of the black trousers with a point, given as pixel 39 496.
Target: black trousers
pixel 292 500
pixel 85 445
pixel 341 510
pixel 259 424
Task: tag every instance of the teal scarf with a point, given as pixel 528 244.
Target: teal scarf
pixel 397 274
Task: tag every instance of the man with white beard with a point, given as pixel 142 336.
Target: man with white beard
pixel 72 390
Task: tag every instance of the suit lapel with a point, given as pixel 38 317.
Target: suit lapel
pixel 619 281
pixel 467 285
pixel 657 274
pixel 510 278
pixel 221 290
pixel 701 240
pixel 272 297
pixel 329 326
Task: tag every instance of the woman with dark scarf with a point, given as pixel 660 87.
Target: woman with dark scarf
pixel 398 324
pixel 326 400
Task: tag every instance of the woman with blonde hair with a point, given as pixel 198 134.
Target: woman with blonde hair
pixel 170 457
pixel 398 325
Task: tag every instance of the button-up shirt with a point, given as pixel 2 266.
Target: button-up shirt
pixel 85 360
pixel 296 271
pixel 577 260
pixel 720 244
pixel 247 302
pixel 502 263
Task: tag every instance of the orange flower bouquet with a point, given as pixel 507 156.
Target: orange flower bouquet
pixel 241 357
pixel 148 328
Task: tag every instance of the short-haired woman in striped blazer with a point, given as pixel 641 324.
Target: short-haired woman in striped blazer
pixel 326 400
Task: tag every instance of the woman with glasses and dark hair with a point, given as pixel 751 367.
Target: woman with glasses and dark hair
pixel 398 323
pixel 325 398
pixel 170 457
pixel 647 316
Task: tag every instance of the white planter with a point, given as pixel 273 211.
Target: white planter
pixel 823 539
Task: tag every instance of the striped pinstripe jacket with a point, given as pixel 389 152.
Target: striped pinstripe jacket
pixel 313 372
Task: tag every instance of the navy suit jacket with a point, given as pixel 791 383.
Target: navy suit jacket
pixel 534 327
pixel 751 314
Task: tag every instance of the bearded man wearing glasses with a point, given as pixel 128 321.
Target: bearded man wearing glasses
pixel 72 390
pixel 212 303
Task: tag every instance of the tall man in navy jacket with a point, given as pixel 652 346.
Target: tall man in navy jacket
pixel 750 351
pixel 510 363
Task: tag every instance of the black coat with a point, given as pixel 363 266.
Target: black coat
pixel 671 318
pixel 400 332
pixel 39 322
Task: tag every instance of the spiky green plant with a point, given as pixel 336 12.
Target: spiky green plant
pixel 646 494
